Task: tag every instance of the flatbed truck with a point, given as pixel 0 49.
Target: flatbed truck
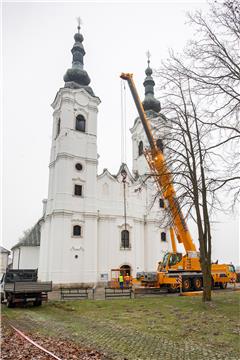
pixel 22 286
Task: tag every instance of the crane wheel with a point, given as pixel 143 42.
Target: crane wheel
pixel 212 284
pixel 172 288
pixel 186 284
pixel 197 283
pixel 223 285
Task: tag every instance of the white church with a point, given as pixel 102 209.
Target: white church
pixel 92 222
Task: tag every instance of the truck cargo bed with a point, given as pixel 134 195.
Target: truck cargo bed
pixel 28 287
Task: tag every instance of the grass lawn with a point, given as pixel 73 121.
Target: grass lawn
pixel 164 327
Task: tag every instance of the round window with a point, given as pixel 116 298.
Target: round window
pixel 78 166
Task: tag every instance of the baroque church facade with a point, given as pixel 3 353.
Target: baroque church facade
pixel 94 223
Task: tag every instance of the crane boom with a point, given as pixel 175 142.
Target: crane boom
pixel 157 163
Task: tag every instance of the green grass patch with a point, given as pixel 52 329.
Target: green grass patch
pixel 142 328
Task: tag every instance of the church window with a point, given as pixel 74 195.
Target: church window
pixel 78 190
pixel 77 230
pixel 76 256
pixel 140 148
pixel 80 123
pixel 58 127
pixel 78 166
pixel 160 145
pixel 161 203
pixel 163 236
pixel 125 244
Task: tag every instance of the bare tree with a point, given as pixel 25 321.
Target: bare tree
pixel 188 159
pixel 201 96
pixel 212 61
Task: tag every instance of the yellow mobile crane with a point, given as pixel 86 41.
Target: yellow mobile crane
pixel 174 264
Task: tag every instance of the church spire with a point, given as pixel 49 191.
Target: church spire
pixel 76 77
pixel 150 102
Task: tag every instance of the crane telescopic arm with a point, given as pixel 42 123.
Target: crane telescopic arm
pixel 163 177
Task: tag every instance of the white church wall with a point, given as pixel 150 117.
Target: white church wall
pixel 26 257
pixel 139 202
pixel 155 248
pixel 138 234
pixel 3 262
pixel 71 259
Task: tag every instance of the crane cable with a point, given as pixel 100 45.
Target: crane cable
pixel 123 152
pixel 123 122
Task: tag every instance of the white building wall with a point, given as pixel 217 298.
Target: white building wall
pixel 143 222
pixel 26 257
pixel 3 263
pixel 71 259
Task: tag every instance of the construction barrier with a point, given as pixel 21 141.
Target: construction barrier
pixel 112 293
pixel 76 293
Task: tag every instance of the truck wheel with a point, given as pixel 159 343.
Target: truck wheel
pixel 37 302
pixel 10 304
pixel 186 284
pixel 197 283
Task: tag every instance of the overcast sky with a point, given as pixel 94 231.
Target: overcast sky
pixel 37 39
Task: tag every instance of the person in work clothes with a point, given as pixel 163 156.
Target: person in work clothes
pixel 121 281
pixel 127 280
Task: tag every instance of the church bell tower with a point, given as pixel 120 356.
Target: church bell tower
pixel 152 108
pixel 68 252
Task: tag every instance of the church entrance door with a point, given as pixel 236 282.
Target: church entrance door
pixel 126 269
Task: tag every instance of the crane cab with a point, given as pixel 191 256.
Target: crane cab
pixel 171 261
pixel 175 261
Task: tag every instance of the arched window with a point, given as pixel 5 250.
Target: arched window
pixel 160 145
pixel 77 231
pixel 58 127
pixel 140 148
pixel 125 239
pixel 80 123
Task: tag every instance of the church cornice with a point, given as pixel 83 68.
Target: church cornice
pixel 69 95
pixel 78 179
pixel 62 212
pixel 70 156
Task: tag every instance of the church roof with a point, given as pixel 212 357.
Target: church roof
pixel 150 102
pixel 3 250
pixel 123 167
pixel 76 77
pixel 31 238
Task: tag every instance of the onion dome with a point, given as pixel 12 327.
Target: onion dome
pixel 150 102
pixel 77 77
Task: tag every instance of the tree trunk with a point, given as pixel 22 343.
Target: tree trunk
pixel 207 281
